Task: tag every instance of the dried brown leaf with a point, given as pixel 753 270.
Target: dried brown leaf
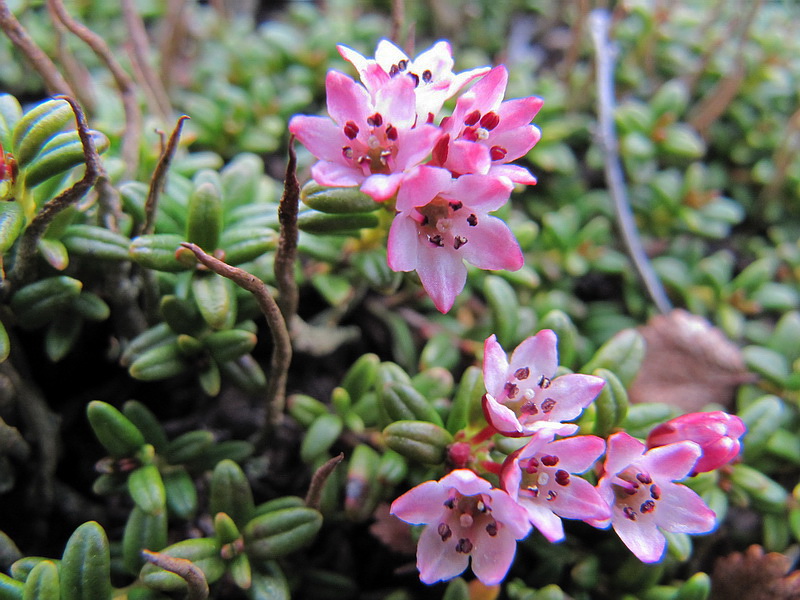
pixel 754 575
pixel 394 533
pixel 688 363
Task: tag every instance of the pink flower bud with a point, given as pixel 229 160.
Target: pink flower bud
pixel 717 433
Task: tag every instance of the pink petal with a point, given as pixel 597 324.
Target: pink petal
pixel 512 515
pixel 538 442
pixel 356 59
pixel 436 560
pixel 382 187
pixel 492 556
pixel 577 454
pixel 511 476
pixel 335 174
pixel 492 246
pixel 495 366
pixel 544 519
pixel 681 510
pixel 622 450
pixel 519 111
pixel 538 353
pixel 421 186
pixel 403 244
pixel 514 173
pixel 321 136
pixel 396 102
pixel 501 417
pixel 437 59
pixel 642 537
pixel 442 273
pixel 673 461
pixel 490 90
pixel 466 482
pixel 387 54
pixel 463 78
pixel 572 393
pixel 468 157
pixel 481 193
pixel 421 504
pixel 516 142
pixel 580 500
pixel 414 145
pixel 347 101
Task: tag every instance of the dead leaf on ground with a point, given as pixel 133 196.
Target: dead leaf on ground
pixel 688 363
pixel 394 533
pixel 754 575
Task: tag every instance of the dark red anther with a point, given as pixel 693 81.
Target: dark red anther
pixel 464 546
pixel 459 241
pixel 490 120
pixel 444 531
pixel 441 150
pixel 497 153
pixel 391 132
pixel 472 220
pixel 375 120
pixel 522 373
pixel 456 205
pixel 415 78
pixel 529 408
pixel 351 129
pixel 511 389
pixel 548 405
pixel 427 75
pixel 549 460
pixel 562 477
pixel 472 118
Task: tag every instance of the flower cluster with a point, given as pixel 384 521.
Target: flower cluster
pixel 540 484
pixel 446 174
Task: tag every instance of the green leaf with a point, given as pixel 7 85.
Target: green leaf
pixel 36 127
pixel 60 154
pixel 337 200
pixel 231 493
pixel 622 354
pixel 143 531
pixel 115 431
pixel 12 222
pixel 86 565
pixel 215 298
pixel 321 435
pixel 96 242
pixel 281 532
pixel 181 493
pixel 204 220
pixel 42 582
pixel 147 489
pixel 419 440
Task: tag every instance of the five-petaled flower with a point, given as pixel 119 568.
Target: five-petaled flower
pixel 369 141
pixel 523 396
pixel 464 517
pixel 431 73
pixel 442 222
pixel 540 476
pixel 644 498
pixel 717 433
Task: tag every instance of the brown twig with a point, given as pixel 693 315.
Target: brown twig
pixel 159 177
pixel 188 571
pixel 140 45
pixel 282 345
pixel 75 73
pixel 286 254
pixel 398 20
pixel 171 40
pixel 30 239
pixel 131 138
pixel 318 480
pixel 53 80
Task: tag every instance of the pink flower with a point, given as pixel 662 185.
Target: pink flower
pixel 484 133
pixel 431 73
pixel 464 517
pixel 639 486
pixel 716 432
pixel 540 477
pixel 442 222
pixel 522 397
pixel 370 141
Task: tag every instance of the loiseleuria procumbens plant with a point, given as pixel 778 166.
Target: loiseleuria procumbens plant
pixel 443 176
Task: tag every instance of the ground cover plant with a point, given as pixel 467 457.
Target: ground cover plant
pixel 399 300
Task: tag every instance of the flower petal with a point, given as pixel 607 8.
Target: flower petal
pixel 516 142
pixel 577 454
pixel 495 366
pixel 480 193
pixel 420 186
pixel 335 174
pixel 519 111
pixel 514 173
pixel 544 519
pixel 492 246
pixel 414 145
pixel 673 461
pixel 641 537
pixel 538 353
pixel 403 244
pixel 681 510
pixel 442 273
pixel 501 417
pixel 572 393
pixel 622 450
pixel 580 500
pixel 321 136
pixel 421 504
pixel 437 560
pixel 492 556
pixel 382 187
pixel 347 101
pixel 466 482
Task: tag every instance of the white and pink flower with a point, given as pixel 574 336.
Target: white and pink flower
pixel 442 222
pixel 524 397
pixel 465 518
pixel 640 486
pixel 542 477
pixel 431 74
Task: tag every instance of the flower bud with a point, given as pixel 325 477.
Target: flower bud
pixel 717 433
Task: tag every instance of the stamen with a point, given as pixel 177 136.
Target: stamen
pixel 436 240
pixel 464 546
pixel 491 528
pixel 629 513
pixel 511 390
pixel 548 405
pixel 391 132
pixel 497 153
pixel 459 241
pixel 402 65
pixel 551 495
pixel 490 120
pixel 456 205
pixel 375 120
pixel 522 373
pixel 394 70
pixel 655 492
pixel 472 118
pixel 472 220
pixel 351 129
pixel 347 152
pixel 647 506
pixel 481 506
pixel 465 520
pixel 544 382
pixel 431 117
pixel 427 75
pixel 530 468
pixel 549 460
pixel 562 477
pixel 415 77
pixel 644 478
pixel 444 531
pixel 450 503
pixel 533 490
pixel 529 408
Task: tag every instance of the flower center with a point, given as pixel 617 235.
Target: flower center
pixel 521 396
pixel 541 477
pixel 440 223
pixel 464 517
pixel 635 493
pixel 375 151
